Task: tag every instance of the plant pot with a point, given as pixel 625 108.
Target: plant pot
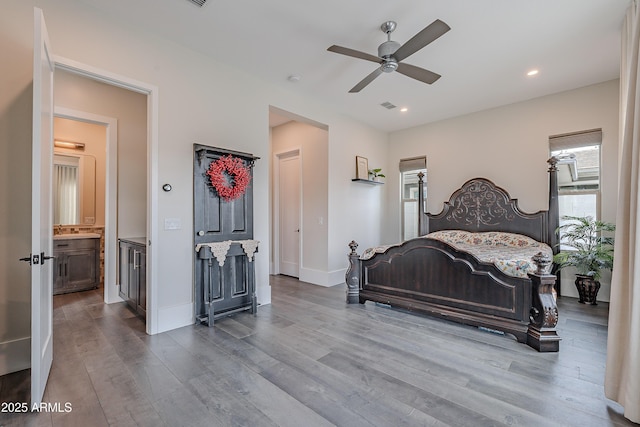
pixel 587 289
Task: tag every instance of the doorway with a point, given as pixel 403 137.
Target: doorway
pixel 299 197
pixel 144 222
pixel 74 123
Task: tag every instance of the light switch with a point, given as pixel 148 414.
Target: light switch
pixel 172 224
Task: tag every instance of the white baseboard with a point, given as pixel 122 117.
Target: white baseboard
pixel 322 278
pixel 15 355
pixel 175 317
pixel 336 277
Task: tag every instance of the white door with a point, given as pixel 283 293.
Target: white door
pixel 289 209
pixel 41 211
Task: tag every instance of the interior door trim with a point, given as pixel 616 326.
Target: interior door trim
pixel 153 186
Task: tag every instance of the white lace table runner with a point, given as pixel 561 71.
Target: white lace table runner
pixel 220 249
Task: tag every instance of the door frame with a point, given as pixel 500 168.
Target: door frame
pixel 151 91
pixel 276 206
pixel 111 194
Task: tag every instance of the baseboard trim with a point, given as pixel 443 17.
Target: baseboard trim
pixel 15 355
pixel 175 317
pixel 322 278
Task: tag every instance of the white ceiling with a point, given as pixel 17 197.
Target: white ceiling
pixel 483 59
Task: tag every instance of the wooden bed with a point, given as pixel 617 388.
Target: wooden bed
pixel 433 277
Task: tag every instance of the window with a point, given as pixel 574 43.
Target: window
pixel 66 206
pixel 409 170
pixel 578 172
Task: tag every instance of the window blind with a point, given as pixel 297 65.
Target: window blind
pixel 575 139
pixel 65 185
pixel 413 163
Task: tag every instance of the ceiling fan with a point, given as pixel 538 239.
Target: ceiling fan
pixel 390 54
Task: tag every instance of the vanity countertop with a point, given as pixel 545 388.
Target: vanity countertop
pixel 76 236
pixel 137 240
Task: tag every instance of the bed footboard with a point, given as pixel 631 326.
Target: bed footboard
pixel 430 277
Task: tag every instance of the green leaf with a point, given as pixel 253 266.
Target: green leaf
pixel 590 251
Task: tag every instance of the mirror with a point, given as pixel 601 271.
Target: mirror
pixel 74 189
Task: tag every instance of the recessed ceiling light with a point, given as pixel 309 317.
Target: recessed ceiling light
pixel 404 109
pixel 532 73
pixel 294 78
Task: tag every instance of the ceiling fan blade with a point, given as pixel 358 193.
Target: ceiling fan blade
pixel 364 82
pixel 355 53
pixel 417 73
pixel 420 40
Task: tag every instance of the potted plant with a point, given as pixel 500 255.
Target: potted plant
pixel 585 246
pixel 376 174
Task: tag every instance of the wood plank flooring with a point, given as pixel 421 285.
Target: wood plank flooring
pixel 308 359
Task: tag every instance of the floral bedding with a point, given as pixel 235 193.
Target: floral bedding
pixel 510 252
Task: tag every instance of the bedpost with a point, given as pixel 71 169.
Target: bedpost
pixel 423 225
pixel 554 212
pixel 543 316
pixel 554 220
pixel 352 277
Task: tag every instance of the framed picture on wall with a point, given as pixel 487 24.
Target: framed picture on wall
pixel 362 168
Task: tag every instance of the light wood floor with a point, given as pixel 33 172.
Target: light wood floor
pixel 308 359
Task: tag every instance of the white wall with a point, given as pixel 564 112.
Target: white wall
pixel 200 100
pixel 357 211
pixel 509 145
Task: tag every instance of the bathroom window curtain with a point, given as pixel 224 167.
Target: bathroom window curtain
pixel 65 194
pixel 622 374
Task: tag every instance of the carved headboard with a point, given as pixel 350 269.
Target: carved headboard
pixel 479 205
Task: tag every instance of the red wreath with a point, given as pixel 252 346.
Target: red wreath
pixel 229 176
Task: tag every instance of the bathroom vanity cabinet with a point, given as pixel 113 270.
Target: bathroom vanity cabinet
pixel 132 265
pixel 76 263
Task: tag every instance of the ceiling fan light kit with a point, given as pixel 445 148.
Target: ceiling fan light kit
pixel 391 53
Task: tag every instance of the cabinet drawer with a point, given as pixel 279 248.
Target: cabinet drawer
pixel 72 244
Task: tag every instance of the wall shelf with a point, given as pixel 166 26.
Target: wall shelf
pixel 367 181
